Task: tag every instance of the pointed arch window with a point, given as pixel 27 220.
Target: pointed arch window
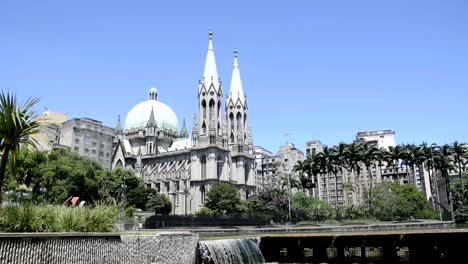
pixel 212 108
pixel 203 128
pixel 203 168
pixel 231 120
pixel 202 194
pixel 203 104
pixel 239 121
pixel 219 109
pixel 219 167
pixel 246 172
pixel 232 137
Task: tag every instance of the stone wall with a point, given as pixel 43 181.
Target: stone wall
pixel 98 248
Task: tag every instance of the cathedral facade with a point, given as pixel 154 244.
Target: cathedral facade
pixel 182 166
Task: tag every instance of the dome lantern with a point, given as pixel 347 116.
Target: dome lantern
pixel 153 94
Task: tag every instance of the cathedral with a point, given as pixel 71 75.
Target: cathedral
pixel 184 166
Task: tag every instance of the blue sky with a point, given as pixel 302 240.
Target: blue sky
pixel 317 69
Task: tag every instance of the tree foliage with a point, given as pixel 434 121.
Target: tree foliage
pixel 59 174
pixel 398 202
pixel 159 203
pixel 223 198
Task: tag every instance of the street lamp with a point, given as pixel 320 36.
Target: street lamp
pixel 43 190
pixel 289 192
pixel 186 192
pixel 124 190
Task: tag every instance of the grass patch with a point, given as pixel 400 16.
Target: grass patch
pixel 33 218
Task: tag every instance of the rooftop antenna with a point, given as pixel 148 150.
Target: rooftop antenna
pixel 286 135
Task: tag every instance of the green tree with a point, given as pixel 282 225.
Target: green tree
pixel 159 203
pixel 223 198
pixel 17 124
pixel 393 201
pixel 139 197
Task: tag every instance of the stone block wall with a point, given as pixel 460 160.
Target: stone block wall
pixel 98 248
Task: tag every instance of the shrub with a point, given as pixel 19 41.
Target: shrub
pixel 32 218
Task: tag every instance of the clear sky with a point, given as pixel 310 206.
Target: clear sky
pixel 317 69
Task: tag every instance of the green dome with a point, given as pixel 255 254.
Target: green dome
pixel 163 115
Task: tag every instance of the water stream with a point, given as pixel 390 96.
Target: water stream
pixel 243 250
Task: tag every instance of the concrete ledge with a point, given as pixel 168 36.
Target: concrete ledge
pixel 238 231
pixel 57 248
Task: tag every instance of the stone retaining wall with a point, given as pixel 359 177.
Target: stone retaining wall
pixel 98 248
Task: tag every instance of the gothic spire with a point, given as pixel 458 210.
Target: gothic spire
pixel 236 91
pixel 183 132
pixel 151 120
pixel 210 75
pixel 118 127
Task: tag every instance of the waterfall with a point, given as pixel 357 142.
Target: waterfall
pixel 244 250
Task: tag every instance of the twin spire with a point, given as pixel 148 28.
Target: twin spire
pixel 236 91
pixel 210 75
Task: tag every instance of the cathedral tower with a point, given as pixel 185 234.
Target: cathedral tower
pixel 238 132
pixel 210 93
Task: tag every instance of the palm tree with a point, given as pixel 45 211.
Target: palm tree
pixel 302 169
pixel 460 151
pixel 313 166
pixel 393 156
pixel 353 157
pixel 326 165
pixel 429 153
pixel 368 154
pixel 17 123
pixel 414 155
pixel 341 162
pixel 443 161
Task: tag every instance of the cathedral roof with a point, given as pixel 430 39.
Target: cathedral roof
pixel 236 91
pixel 140 114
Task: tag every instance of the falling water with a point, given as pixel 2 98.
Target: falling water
pixel 244 250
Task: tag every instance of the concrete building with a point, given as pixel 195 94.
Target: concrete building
pixel 383 138
pixel 288 155
pixel 89 138
pixel 49 135
pixel 263 165
pixel 313 147
pixel 184 167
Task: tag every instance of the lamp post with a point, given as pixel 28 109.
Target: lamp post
pixel 289 192
pixel 186 192
pixel 124 191
pixel 43 190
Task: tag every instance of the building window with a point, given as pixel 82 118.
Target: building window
pixel 94 144
pixel 107 154
pixel 101 153
pixel 77 140
pixel 239 121
pixel 202 194
pixel 204 109
pixel 203 168
pixel 231 120
pixel 93 151
pixel 219 171
pixel 86 150
pixel 77 149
